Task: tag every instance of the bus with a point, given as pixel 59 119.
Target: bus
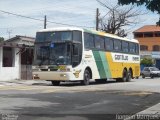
pixel 75 54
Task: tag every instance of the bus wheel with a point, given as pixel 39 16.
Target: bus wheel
pixel 129 76
pixel 124 76
pixel 86 78
pixel 55 83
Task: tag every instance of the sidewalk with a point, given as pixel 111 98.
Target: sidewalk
pixel 22 82
pixel 152 113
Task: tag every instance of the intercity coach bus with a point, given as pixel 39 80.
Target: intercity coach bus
pixel 75 54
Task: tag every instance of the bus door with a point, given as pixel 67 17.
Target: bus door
pixel 76 54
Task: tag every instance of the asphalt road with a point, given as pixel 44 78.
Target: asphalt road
pixel 72 101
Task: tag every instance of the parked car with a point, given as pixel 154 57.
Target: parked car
pixel 150 72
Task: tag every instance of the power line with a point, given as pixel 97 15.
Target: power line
pixel 6 12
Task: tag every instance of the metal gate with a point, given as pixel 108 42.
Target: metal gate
pixel 26 72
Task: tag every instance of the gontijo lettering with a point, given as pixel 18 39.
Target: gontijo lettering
pixel 121 57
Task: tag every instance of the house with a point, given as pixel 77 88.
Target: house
pixel 149 39
pixel 9 61
pixel 16 55
pixel 22 40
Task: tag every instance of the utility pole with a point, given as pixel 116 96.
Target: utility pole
pixel 97 19
pixel 45 22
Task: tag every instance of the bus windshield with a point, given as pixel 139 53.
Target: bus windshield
pixel 52 54
pixel 54 36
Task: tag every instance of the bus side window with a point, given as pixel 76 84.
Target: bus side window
pixel 88 40
pixel 75 49
pixel 117 45
pixel 132 47
pixel 108 44
pixel 137 48
pixel 99 42
pixel 77 36
pixel 76 55
pixel 125 46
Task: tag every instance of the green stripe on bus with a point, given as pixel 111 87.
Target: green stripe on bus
pixel 99 63
pixel 105 64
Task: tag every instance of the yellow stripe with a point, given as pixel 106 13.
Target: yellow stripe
pixel 116 68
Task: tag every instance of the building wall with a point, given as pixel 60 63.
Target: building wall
pixel 10 73
pixel 149 41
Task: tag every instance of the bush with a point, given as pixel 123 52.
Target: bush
pixel 147 62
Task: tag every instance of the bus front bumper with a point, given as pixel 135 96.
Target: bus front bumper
pixel 58 76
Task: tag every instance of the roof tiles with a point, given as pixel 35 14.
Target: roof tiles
pixel 148 28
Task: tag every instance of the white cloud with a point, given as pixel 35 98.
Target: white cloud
pixel 76 12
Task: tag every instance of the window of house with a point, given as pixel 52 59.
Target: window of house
pixel 156 48
pixel 8 57
pixel 108 44
pixel 148 34
pixel 138 35
pixel 143 47
pixel 99 42
pixel 157 34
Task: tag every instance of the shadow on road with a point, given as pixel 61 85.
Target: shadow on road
pixel 73 84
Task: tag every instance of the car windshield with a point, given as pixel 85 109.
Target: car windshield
pixel 52 54
pixel 154 69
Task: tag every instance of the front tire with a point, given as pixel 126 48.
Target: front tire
pixel 152 76
pixel 143 76
pixel 86 78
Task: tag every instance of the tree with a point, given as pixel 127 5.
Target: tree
pixel 1 39
pixel 147 62
pixel 118 18
pixel 152 5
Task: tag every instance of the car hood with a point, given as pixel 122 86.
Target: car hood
pixel 155 72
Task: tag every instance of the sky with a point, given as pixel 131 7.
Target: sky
pixel 73 12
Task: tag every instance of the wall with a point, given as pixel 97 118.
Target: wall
pixel 149 41
pixel 10 73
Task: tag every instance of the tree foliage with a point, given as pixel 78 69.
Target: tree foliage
pixel 1 39
pixel 152 5
pixel 147 61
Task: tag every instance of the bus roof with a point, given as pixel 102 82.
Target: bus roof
pixel 88 31
pixel 110 35
pixel 60 29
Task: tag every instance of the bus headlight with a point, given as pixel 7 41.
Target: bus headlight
pixel 63 75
